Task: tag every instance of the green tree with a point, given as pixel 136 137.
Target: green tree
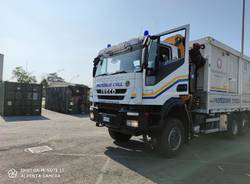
pixel 44 83
pixel 23 76
pixel 53 77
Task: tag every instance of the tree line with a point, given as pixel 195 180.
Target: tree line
pixel 23 76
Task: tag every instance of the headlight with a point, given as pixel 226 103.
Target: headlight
pixel 91 115
pixel 132 123
pixel 132 113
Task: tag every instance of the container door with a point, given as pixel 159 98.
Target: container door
pixel 219 70
pixel 246 78
pixel 233 68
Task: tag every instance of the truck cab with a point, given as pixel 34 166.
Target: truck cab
pixel 139 85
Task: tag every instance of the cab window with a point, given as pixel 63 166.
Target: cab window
pixel 163 59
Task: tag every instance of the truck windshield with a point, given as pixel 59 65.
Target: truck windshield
pixel 126 62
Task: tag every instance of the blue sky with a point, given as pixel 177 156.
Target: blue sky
pixel 49 35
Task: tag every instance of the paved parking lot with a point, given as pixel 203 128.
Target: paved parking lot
pixel 83 153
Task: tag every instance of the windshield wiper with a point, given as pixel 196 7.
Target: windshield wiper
pixel 120 71
pixel 101 74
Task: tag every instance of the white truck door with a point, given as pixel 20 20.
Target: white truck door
pixel 167 71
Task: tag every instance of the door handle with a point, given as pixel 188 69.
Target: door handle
pixel 182 88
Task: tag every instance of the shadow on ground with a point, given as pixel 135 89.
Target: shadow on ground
pixel 23 118
pixel 83 115
pixel 209 159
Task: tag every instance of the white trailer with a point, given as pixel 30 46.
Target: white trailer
pixel 223 84
pixel 169 89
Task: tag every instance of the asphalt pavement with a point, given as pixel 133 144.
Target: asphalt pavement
pixel 58 148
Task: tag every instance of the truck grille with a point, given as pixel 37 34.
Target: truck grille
pixel 117 91
pixel 110 97
pixel 111 94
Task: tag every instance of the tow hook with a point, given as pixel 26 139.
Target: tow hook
pixel 99 124
pixel 152 142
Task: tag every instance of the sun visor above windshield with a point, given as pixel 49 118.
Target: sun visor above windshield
pixel 122 46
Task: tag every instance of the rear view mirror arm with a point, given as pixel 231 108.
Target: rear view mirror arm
pixel 96 61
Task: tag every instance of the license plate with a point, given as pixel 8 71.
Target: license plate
pixel 106 119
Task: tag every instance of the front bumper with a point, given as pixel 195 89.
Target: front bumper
pixel 118 120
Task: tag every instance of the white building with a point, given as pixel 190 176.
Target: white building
pixel 1 67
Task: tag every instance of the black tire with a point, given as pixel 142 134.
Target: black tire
pixel 244 124
pixel 118 136
pixel 233 126
pixel 172 138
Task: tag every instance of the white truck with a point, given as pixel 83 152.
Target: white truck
pixel 169 89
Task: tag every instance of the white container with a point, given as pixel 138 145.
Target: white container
pixel 223 84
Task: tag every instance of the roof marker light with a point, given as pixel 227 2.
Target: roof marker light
pixel 109 45
pixel 146 33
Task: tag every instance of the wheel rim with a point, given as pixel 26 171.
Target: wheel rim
pixel 235 128
pixel 244 123
pixel 174 138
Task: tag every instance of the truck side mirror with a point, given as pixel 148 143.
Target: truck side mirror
pixel 151 72
pixel 96 61
pixel 94 71
pixel 144 57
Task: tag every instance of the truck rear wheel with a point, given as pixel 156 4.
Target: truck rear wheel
pixel 244 124
pixel 172 138
pixel 118 136
pixel 233 126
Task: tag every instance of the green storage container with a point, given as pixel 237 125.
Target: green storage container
pixel 20 99
pixel 67 98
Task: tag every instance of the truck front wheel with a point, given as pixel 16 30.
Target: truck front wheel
pixel 118 136
pixel 172 138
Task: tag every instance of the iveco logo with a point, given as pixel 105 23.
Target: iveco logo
pixel 108 91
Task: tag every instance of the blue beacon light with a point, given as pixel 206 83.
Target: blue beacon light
pixel 109 45
pixel 146 33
